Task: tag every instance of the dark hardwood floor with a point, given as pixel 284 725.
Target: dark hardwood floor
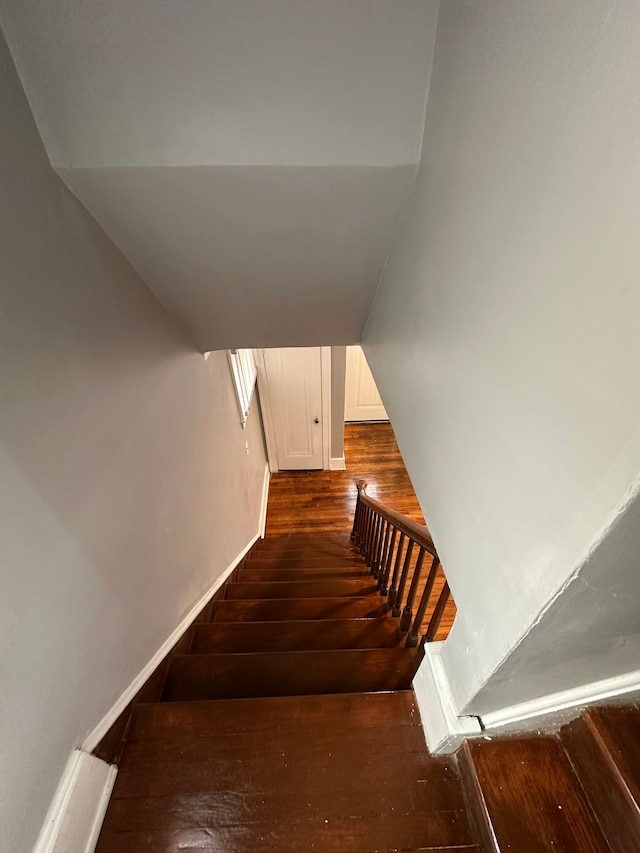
pixel 341 773
pixel 308 502
pixel 324 501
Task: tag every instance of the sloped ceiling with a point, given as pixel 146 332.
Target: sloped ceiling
pixel 251 158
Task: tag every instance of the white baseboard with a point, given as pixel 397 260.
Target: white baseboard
pixel 96 735
pixel 558 708
pixel 76 813
pixel 265 500
pixel 444 730
pixel 337 463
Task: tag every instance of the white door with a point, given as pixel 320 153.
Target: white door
pixel 294 382
pixel 361 399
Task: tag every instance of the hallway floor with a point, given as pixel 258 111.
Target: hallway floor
pixel 324 501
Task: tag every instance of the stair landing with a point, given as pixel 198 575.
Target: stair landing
pixel 346 772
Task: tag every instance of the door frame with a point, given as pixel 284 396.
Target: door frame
pixel 267 415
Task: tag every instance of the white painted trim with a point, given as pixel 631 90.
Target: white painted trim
pixel 443 729
pixel 337 463
pixel 78 807
pixel 96 735
pixel 267 414
pixel 558 708
pixel 265 501
pixel 325 381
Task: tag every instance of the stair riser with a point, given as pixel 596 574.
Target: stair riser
pixel 350 711
pixel 306 554
pixel 304 563
pixel 281 610
pixel 289 674
pixel 283 636
pixel 248 575
pixel 304 589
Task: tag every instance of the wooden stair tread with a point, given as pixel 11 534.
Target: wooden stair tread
pixel 606 791
pixel 433 831
pixel 213 808
pixel 348 772
pixel 250 575
pixel 619 733
pixel 226 676
pixel 325 634
pixel 528 791
pixel 309 548
pixel 306 563
pixel 232 716
pixel 251 773
pixel 283 609
pixel 311 552
pixel 305 536
pixel 203 749
pixel 300 589
pixel 249 765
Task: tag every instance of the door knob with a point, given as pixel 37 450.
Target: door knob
pixel 317 421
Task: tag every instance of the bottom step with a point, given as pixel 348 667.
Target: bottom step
pixel 231 676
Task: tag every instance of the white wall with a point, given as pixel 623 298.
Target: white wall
pixel 125 487
pixel 338 367
pixel 250 159
pixel 589 633
pixel 261 82
pixel 253 256
pixel 504 337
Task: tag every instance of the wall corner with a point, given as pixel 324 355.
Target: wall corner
pixel 444 729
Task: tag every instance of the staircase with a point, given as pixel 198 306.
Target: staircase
pixel 287 722
pixel 290 724
pixel 301 617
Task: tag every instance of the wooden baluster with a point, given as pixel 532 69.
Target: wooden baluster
pixel 359 517
pixel 369 541
pixel 407 613
pixel 393 591
pixel 356 516
pixel 374 543
pixel 383 550
pixel 363 530
pixel 434 622
pixel 388 560
pixel 362 513
pixel 382 544
pixel 412 637
pixel 370 534
pixel 397 605
pixel 362 526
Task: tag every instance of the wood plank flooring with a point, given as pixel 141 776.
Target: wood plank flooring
pixel 324 501
pixel 346 773
pixel 311 502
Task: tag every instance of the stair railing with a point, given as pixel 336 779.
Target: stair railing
pixel 388 540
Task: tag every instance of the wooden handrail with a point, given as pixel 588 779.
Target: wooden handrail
pixel 387 540
pixel 415 531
